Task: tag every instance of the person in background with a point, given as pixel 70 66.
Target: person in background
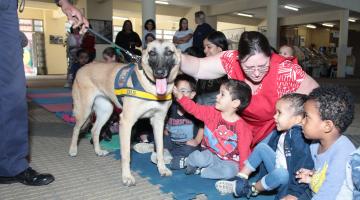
pixel 286 152
pixel 183 37
pixel 288 52
pixel 73 45
pixel 207 90
pixel 82 58
pixel 269 76
pixel 14 130
pixel 202 30
pixel 149 27
pixel 88 44
pixel 110 55
pixel 128 39
pixel 227 139
pixel 328 113
pixel 149 38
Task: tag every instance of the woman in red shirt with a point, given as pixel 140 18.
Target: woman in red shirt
pixel 268 75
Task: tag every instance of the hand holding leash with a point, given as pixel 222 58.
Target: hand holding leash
pixel 75 17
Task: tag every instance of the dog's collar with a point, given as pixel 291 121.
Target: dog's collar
pixel 148 78
pixel 142 94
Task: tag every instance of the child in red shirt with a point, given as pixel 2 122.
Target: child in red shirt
pixel 227 138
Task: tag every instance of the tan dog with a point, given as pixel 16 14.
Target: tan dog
pixel 93 90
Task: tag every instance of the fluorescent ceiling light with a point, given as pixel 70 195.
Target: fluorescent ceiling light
pixel 162 2
pixel 328 24
pixel 291 8
pixel 122 18
pixel 245 15
pixel 310 26
pixel 352 20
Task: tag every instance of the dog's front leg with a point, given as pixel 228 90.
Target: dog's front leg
pixel 125 136
pixel 157 123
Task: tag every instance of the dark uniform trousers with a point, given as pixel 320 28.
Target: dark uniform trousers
pixel 13 107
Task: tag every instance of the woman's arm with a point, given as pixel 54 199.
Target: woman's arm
pixel 202 68
pixel 307 85
pixel 185 39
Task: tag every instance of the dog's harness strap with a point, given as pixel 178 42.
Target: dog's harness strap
pixel 121 88
pixel 130 92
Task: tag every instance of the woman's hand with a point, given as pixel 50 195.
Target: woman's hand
pixel 177 94
pixel 304 175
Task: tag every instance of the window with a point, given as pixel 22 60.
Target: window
pixel 165 34
pixel 31 25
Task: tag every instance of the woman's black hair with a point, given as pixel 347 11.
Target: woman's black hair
pixel 150 35
pixel 252 42
pixel 127 21
pixel 148 21
pixel 180 22
pixel 218 38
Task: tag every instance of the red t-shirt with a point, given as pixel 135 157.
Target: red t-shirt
pixel 283 77
pixel 228 140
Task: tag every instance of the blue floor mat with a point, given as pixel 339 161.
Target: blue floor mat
pixel 47 90
pixel 182 186
pixel 57 100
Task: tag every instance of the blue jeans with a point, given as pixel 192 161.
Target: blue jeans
pixel 276 177
pixel 212 166
pixel 355 172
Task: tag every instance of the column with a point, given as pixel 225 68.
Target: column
pixel 342 45
pixel 148 8
pixel 272 22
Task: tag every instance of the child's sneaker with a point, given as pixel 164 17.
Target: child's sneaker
pixel 225 187
pixel 167 157
pixel 144 147
pixel 177 163
pixel 192 170
pixel 240 187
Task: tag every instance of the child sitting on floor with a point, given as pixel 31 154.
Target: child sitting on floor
pixel 226 139
pixel 286 152
pixel 328 112
pixel 181 135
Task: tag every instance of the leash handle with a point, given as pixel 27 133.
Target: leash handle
pixel 136 58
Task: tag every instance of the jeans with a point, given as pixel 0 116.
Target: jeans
pixel 212 166
pixel 355 172
pixel 178 149
pixel 276 177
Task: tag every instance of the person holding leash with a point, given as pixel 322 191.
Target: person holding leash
pixel 269 76
pixel 14 143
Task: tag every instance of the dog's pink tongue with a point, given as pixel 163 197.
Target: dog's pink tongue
pixel 161 86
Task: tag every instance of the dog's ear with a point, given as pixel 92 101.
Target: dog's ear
pixel 177 58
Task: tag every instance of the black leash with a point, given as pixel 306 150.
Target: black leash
pixel 136 58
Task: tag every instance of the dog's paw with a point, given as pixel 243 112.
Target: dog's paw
pixel 165 171
pixel 102 153
pixel 73 152
pixel 128 180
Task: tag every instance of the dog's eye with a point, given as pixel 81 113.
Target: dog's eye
pixel 152 53
pixel 169 53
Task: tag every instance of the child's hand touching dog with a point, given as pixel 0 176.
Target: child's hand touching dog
pixel 304 175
